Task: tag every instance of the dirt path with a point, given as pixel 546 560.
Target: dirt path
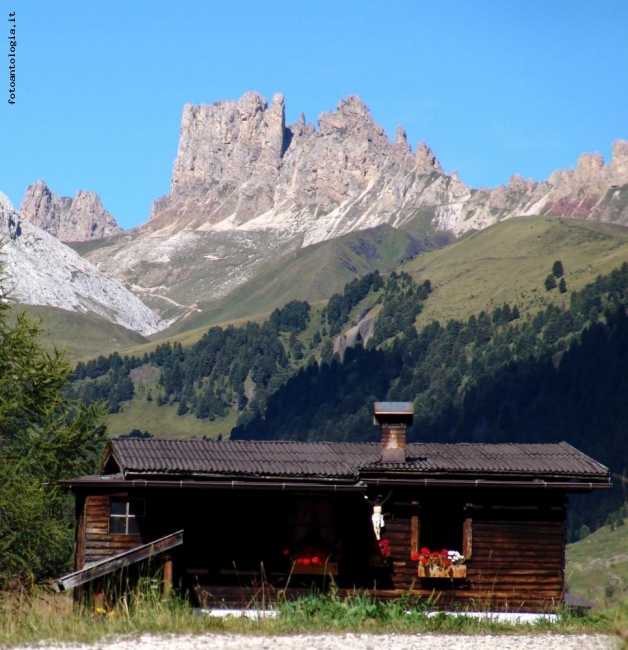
pixel 355 642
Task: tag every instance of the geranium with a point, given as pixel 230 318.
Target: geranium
pixel 310 555
pixel 384 547
pixel 442 559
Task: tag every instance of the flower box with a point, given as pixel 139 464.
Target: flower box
pixel 452 572
pixel 327 569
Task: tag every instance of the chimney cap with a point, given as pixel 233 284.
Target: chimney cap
pixel 393 411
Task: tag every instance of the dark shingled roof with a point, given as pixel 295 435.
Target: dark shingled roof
pixel 153 457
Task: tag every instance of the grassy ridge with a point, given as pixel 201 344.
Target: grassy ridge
pixel 597 566
pixel 509 262
pixel 80 335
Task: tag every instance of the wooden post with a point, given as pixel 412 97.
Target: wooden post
pixel 467 538
pixel 167 575
pixel 415 531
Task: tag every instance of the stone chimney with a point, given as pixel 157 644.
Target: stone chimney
pixel 393 418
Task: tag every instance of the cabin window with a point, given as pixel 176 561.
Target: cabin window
pixel 125 516
pixel 445 527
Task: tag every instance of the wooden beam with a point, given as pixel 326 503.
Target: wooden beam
pixel 119 561
pixel 167 574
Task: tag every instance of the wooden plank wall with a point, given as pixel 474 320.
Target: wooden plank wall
pixel 518 564
pixel 516 555
pixel 401 530
pixel 99 544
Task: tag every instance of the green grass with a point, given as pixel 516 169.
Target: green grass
pixel 44 618
pixel 82 336
pixel 509 262
pixel 163 421
pixel 597 566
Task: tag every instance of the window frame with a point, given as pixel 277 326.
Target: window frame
pixel 133 515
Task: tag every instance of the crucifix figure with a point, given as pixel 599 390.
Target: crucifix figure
pixel 377 518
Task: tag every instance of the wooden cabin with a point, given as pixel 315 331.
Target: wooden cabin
pixel 240 521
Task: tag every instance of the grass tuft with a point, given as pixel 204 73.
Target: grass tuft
pixel 45 618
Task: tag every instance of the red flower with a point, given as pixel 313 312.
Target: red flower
pixel 316 560
pixel 384 542
pixel 425 551
pixel 386 550
pixel 423 560
pixel 444 552
pixel 414 556
pixel 306 561
pixel 447 563
pixel 286 552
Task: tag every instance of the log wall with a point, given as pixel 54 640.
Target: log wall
pixel 515 550
pixel 98 542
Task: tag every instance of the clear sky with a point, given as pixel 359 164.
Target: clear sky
pixel 494 87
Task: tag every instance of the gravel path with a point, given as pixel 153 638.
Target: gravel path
pixel 356 642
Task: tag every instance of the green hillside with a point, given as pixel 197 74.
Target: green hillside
pixel 80 335
pixel 597 566
pixel 509 261
pixel 313 273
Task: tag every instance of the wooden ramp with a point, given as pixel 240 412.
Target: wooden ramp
pixel 119 561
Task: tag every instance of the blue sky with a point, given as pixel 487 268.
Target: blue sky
pixel 494 87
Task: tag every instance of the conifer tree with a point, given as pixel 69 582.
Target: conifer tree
pixel 557 269
pixel 44 437
pixel 550 282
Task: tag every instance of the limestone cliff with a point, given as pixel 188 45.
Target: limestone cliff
pixel 72 220
pixel 239 165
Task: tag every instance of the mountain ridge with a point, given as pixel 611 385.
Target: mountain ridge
pixel 247 188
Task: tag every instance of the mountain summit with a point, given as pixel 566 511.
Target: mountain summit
pixel 239 165
pixel 71 220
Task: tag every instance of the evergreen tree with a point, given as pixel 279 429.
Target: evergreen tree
pixel 550 282
pixel 562 286
pixel 557 269
pixel 44 437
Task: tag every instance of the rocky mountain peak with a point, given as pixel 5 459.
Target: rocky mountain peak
pixel 590 163
pixel 619 161
pixel 351 113
pixel 401 138
pixel 79 219
pixel 37 269
pixel 425 160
